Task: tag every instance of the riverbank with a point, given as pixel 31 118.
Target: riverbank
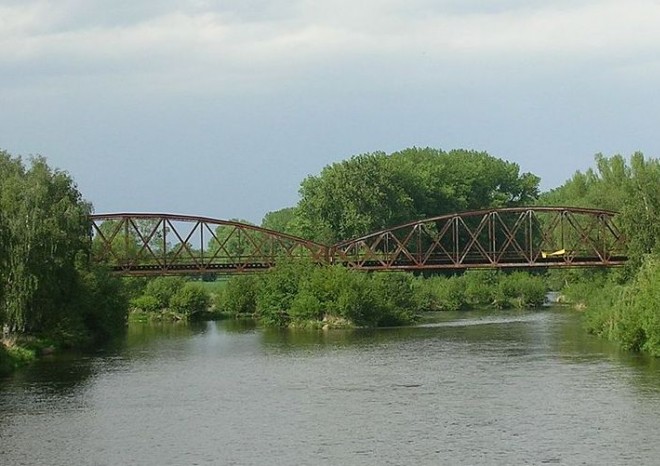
pixel 14 356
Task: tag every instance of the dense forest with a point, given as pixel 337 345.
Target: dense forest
pixel 52 294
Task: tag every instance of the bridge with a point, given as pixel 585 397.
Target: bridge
pixel 519 237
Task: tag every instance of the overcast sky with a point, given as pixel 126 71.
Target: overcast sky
pixel 221 108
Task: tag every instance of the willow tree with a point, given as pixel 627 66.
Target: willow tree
pixel 45 229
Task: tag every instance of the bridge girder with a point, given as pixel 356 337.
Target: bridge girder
pixel 519 237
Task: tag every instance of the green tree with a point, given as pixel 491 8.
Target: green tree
pixel 163 289
pixel 283 220
pixel 629 187
pixel 48 283
pixel 373 191
pixel 47 236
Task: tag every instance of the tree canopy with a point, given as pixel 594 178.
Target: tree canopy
pixel 631 187
pixel 44 254
pixel 376 190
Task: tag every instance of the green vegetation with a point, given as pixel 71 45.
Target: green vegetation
pixel 477 288
pixel 623 306
pixel 49 290
pixel 370 192
pixel 302 294
pixel 168 298
pixel 631 188
pixel 13 356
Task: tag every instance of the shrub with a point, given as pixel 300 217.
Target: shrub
pixel 305 306
pixel 146 303
pixel 190 298
pixel 239 296
pixel 163 288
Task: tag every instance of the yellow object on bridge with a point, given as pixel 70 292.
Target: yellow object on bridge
pixel 561 252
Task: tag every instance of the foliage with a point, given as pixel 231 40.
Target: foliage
pixel 48 284
pixel 146 303
pixel 102 303
pixel 189 299
pixel 481 288
pixel 279 287
pixel 373 191
pixel 163 288
pixel 239 297
pixel 519 289
pixel 630 314
pixel 13 357
pixel 297 293
pixel 283 220
pixel 629 187
pixel 175 295
pixel 620 306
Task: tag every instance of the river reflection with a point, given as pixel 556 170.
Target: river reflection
pixel 465 388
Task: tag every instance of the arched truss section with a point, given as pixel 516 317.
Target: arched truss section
pixel 162 244
pixel 497 238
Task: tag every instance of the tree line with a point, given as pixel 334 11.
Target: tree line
pixel 50 287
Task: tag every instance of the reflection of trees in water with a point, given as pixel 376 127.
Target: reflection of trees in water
pixel 576 346
pixel 50 379
pixel 139 334
pixel 236 325
pixel 465 328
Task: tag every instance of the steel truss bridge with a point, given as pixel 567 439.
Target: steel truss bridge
pixel 520 237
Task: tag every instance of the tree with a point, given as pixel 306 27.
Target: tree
pixel 283 220
pixel 48 283
pixel 47 228
pixel 630 187
pixel 374 191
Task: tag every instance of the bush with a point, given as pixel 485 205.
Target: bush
pixel 105 305
pixel 478 286
pixel 239 297
pixel 519 289
pixel 305 306
pixel 146 303
pixel 630 314
pixel 163 288
pixel 190 298
pixel 14 357
pixel 443 294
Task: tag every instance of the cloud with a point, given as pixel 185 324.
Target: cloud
pixel 246 45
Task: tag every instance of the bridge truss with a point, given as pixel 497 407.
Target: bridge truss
pixel 165 244
pixel 525 237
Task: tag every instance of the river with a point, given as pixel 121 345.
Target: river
pixel 463 389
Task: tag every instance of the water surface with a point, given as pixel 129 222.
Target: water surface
pixel 469 388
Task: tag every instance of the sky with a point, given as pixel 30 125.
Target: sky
pixel 221 108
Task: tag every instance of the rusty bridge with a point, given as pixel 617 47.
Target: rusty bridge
pixel 520 237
